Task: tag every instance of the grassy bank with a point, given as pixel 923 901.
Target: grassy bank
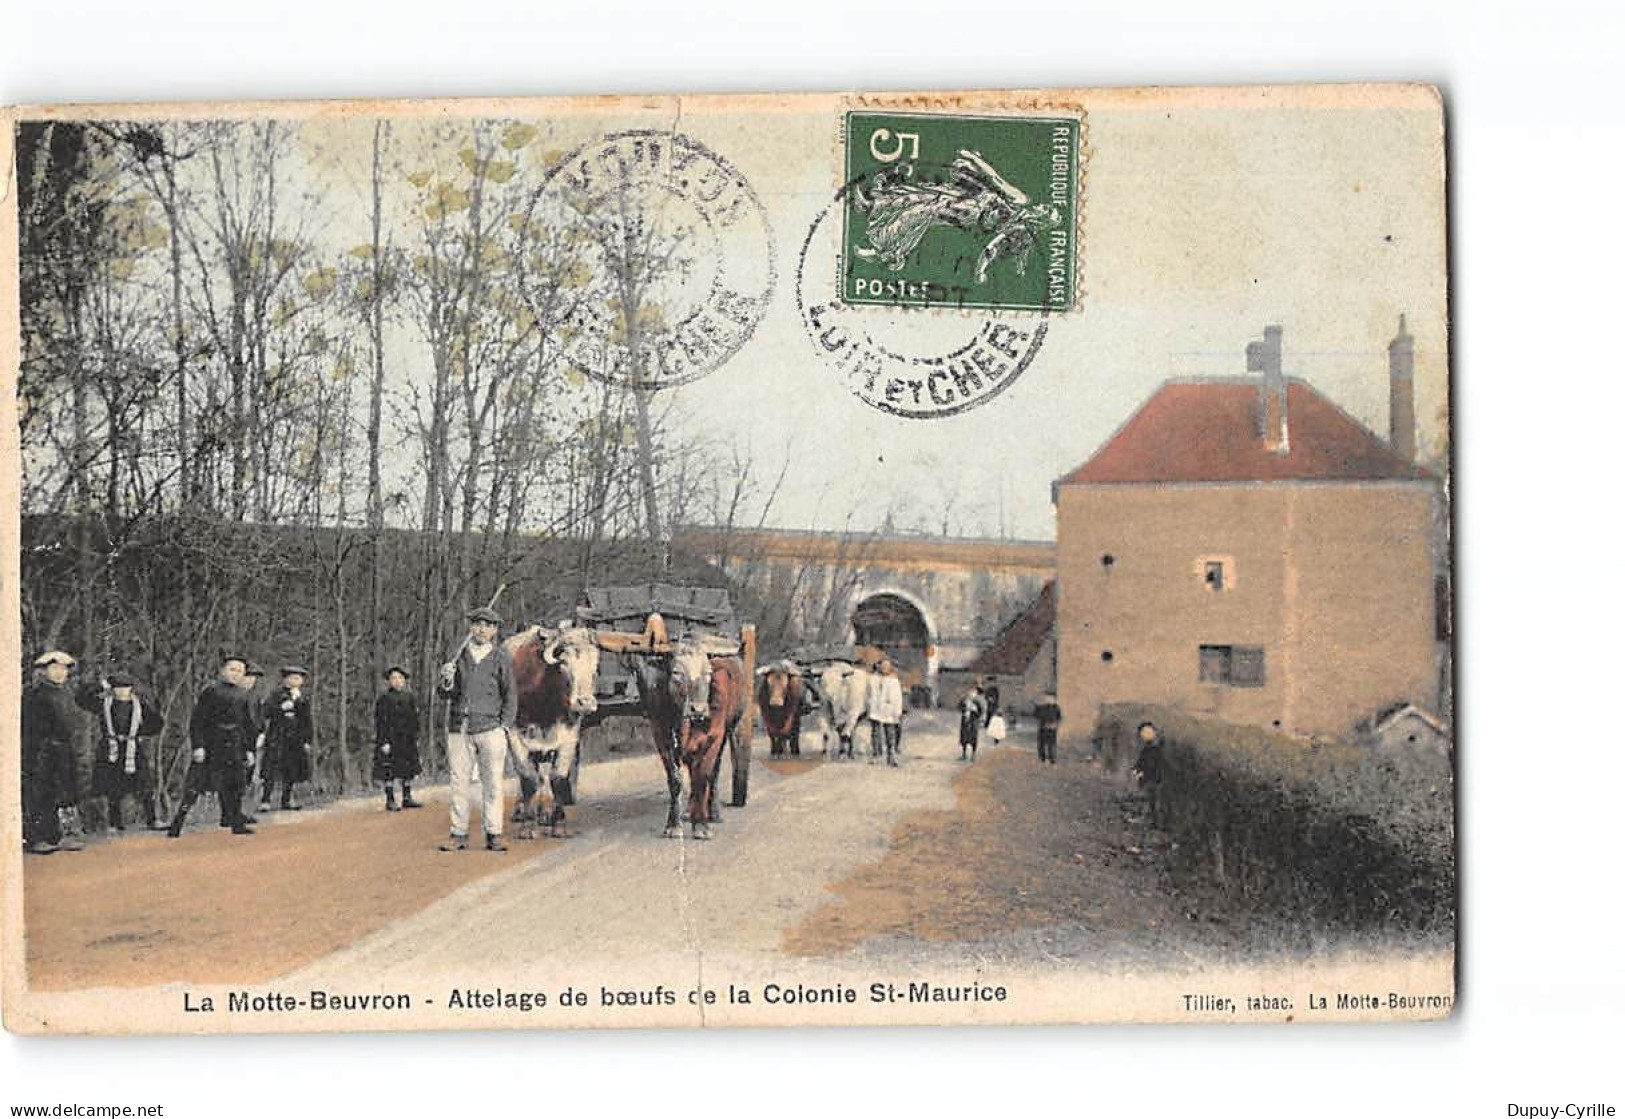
pixel 1342 835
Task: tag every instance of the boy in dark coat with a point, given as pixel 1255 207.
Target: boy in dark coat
pixel 1047 713
pixel 1148 765
pixel 49 781
pixel 972 711
pixel 126 720
pixel 395 757
pixel 221 732
pixel 288 733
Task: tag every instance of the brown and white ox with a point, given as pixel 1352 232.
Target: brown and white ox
pixel 844 700
pixel 554 671
pixel 779 696
pixel 694 697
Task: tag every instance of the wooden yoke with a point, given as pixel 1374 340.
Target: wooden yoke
pixel 653 639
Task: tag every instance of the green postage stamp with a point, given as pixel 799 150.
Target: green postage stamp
pixel 960 211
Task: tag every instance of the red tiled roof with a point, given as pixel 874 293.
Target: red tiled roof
pixel 1208 431
pixel 1015 648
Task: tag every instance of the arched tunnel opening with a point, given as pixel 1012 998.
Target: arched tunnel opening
pixel 892 626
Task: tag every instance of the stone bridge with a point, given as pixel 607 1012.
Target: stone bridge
pixel 933 603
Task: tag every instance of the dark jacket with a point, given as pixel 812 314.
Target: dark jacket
pixel 395 723
pixel 483 695
pixel 222 724
pixel 49 726
pixel 254 704
pixel 288 732
pixel 119 743
pixel 1148 766
pixel 972 714
pixel 101 703
pixel 395 718
pixel 1048 715
pixel 287 719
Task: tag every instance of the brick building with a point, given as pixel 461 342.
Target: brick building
pixel 1246 550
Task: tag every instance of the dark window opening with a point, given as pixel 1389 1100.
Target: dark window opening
pixel 1106 655
pixel 1213 575
pixel 1107 560
pixel 1239 666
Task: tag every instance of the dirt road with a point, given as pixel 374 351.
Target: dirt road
pixel 830 860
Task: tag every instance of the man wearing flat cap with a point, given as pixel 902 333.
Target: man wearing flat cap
pixel 222 747
pixel 482 704
pixel 49 725
pixel 288 734
pixel 126 719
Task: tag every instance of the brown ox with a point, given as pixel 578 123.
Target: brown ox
pixel 779 695
pixel 554 674
pixel 694 701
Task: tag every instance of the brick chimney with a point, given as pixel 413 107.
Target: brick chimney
pixel 1265 358
pixel 1402 394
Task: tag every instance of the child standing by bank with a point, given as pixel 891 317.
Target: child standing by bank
pixel 1148 766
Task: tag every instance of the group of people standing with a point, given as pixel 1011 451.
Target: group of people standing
pixel 979 711
pixel 239 738
pixel 53 712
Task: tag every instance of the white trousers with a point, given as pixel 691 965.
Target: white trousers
pixel 487 750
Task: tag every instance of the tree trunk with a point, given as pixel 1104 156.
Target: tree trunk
pixel 646 466
pixel 375 410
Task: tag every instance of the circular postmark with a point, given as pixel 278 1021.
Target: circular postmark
pixel 922 355
pixel 674 257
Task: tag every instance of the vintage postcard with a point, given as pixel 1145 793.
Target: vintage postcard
pixel 811 559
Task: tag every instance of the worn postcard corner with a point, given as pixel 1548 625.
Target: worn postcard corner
pixel 957 557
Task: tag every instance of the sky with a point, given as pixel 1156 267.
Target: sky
pixel 1205 217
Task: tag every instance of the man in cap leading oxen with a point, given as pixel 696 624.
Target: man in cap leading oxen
pixel 483 704
pixel 49 724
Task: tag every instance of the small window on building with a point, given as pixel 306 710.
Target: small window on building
pixel 1213 575
pixel 1239 666
pixel 1247 666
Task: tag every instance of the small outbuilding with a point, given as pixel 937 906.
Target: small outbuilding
pixel 1406 726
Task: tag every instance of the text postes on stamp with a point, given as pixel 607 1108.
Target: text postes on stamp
pixel 960 211
pixel 675 257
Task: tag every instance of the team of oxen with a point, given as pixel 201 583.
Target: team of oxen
pixel 694 693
